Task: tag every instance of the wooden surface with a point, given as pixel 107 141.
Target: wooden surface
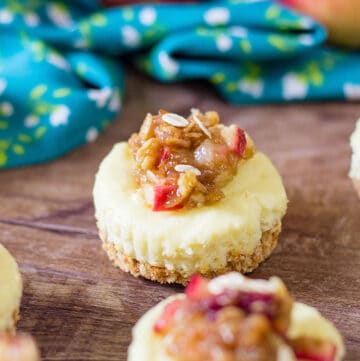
pixel 79 307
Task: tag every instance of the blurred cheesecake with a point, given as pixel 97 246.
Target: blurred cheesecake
pixel 234 318
pixel 355 159
pixel 10 291
pixel 19 347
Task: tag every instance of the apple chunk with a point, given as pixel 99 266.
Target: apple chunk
pixel 162 197
pixel 235 138
pixel 167 316
pixel 239 144
pixel 308 349
pixel 197 288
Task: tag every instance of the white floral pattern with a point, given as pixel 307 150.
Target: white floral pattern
pixel 307 23
pixel 58 60
pixel 31 121
pixel 255 88
pixel 147 16
pixel 223 43
pixel 169 65
pixel 217 16
pixel 60 115
pixel 130 36
pixel 31 19
pixel 306 39
pixel 293 87
pixel 59 15
pixel 238 31
pixel 80 43
pixel 352 91
pixel 6 109
pixel 100 96
pixel 6 16
pixel 91 134
pixel 115 101
pixel 3 85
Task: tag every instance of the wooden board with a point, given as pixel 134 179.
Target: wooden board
pixel 79 307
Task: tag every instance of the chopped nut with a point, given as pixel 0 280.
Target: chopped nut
pixel 176 142
pixel 214 195
pixel 148 154
pixel 187 183
pixel 147 128
pixel 195 135
pixel 191 127
pixel 197 198
pixel 134 142
pixel 212 118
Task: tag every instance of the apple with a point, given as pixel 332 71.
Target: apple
pixel 166 318
pixel 162 197
pixel 239 143
pixel 197 288
pixel 249 301
pixel 235 138
pixel 309 349
pixel 340 17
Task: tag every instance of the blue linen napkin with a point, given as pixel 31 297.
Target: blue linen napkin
pixel 61 78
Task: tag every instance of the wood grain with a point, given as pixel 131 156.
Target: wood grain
pixel 81 308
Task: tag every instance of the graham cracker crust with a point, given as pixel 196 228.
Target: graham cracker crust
pixel 235 262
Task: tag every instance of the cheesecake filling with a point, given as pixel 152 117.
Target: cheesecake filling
pixel 185 162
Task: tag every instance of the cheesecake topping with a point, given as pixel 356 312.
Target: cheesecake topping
pixel 233 318
pixel 185 162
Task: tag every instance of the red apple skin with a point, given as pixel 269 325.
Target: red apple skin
pixel 239 144
pixel 340 17
pixel 317 355
pixel 314 350
pixel 164 154
pixel 197 288
pixel 167 316
pixel 162 193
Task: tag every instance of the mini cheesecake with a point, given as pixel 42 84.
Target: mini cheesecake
pixel 355 159
pixel 188 195
pixel 20 347
pixel 234 318
pixel 10 291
